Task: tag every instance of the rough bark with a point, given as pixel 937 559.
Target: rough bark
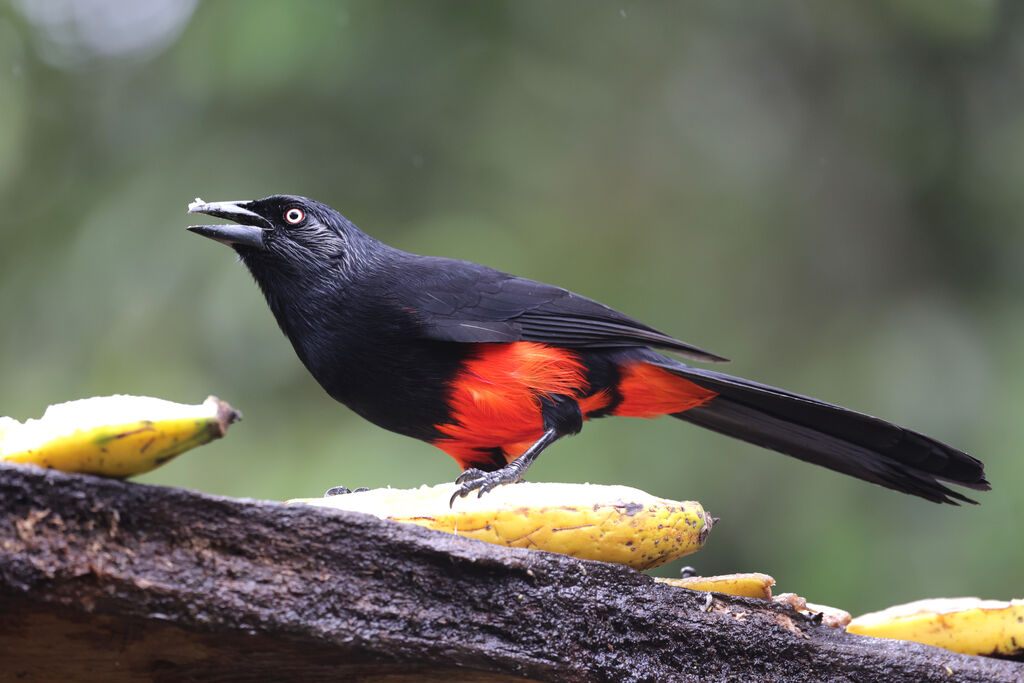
pixel 104 579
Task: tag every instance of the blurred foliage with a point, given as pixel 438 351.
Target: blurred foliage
pixel 828 193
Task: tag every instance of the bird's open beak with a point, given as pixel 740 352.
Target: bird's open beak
pixel 249 229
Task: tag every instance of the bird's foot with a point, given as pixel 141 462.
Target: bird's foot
pixel 342 490
pixel 482 482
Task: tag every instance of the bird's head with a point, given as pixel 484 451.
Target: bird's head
pixel 284 234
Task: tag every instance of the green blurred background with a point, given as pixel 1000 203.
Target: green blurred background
pixel 827 193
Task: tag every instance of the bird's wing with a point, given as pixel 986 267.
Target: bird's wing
pixel 466 302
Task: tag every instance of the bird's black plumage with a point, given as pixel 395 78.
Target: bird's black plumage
pixel 406 340
pixel 465 302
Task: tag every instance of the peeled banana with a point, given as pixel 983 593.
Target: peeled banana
pixel 967 625
pixel 751 585
pixel 607 523
pixel 114 436
pixel 755 585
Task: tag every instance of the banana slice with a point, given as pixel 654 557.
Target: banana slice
pixel 755 585
pixel 607 523
pixel 7 423
pixel 968 625
pixel 114 436
pixel 752 585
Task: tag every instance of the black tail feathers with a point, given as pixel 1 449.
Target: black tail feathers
pixel 831 436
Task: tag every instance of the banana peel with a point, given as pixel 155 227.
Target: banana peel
pixel 594 522
pixel 966 625
pixel 829 616
pixel 113 436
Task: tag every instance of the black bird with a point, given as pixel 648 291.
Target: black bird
pixel 493 368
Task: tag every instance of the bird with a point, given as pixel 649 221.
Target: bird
pixel 493 368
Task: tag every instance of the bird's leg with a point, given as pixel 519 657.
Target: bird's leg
pixel 474 479
pixel 561 415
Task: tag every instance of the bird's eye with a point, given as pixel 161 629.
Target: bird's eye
pixel 294 216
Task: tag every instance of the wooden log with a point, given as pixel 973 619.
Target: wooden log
pixel 108 580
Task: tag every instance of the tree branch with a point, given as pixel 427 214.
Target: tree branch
pixel 118 581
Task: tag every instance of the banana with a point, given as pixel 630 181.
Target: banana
pixel 7 423
pixel 607 523
pixel 754 585
pixel 751 585
pixel 967 625
pixel 114 436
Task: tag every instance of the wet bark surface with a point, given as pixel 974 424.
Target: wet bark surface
pixel 103 579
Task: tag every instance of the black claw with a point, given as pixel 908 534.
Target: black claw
pixel 472 474
pixel 461 492
pixel 342 490
pixel 336 491
pixel 482 482
pixel 488 486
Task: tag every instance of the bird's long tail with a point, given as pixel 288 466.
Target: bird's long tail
pixel 831 436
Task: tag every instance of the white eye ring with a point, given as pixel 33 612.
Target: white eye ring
pixel 294 216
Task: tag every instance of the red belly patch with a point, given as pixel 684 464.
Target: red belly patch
pixel 495 399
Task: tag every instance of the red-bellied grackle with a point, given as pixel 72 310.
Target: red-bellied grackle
pixel 493 368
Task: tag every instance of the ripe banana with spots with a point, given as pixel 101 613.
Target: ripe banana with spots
pixel 114 436
pixel 588 521
pixel 967 625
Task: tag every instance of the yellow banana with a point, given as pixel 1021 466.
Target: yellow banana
pixel 608 523
pixel 754 585
pixel 967 625
pixel 751 585
pixel 114 436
